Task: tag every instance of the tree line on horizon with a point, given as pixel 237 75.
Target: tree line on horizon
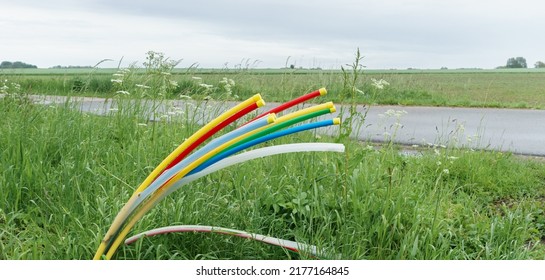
pixel 513 62
pixel 16 64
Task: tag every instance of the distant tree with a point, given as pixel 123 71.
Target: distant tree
pixel 518 62
pixel 16 64
pixel 539 64
pixel 6 64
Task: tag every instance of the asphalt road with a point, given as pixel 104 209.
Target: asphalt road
pixel 514 130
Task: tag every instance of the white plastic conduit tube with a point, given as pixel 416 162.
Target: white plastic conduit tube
pixel 253 154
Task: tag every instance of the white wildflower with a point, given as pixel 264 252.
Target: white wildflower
pixel 226 81
pixel 118 81
pixel 460 127
pixel 379 84
pixel 118 75
pixel 124 92
pixel 173 83
pixel 206 86
pixel 196 78
pixel 142 86
pixel 471 138
pixel 438 163
pixel 177 110
pixel 142 124
pixel 446 171
pixel 183 96
pixel 227 84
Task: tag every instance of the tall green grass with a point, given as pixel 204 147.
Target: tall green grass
pixel 65 174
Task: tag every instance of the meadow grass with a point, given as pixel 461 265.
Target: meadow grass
pixel 65 175
pixel 470 88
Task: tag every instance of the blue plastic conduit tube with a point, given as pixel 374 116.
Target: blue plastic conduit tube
pixel 260 140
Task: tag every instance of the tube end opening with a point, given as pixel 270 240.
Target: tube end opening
pixel 271 118
pixel 257 97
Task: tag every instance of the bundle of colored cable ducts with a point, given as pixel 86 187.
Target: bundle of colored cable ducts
pixel 182 167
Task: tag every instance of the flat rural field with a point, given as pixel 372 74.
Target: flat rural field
pixel 64 174
pixel 502 88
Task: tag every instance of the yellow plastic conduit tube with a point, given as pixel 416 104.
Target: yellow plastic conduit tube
pixel 150 203
pixel 117 221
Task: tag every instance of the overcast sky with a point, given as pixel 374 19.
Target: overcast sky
pixel 213 33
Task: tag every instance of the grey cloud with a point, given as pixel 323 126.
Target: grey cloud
pixel 445 30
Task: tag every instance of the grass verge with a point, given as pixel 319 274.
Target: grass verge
pixel 65 174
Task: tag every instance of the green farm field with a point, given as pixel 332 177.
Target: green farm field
pixel 501 88
pixel 64 174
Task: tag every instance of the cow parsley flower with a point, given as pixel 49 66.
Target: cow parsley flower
pixel 142 86
pixel 206 86
pixel 379 84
